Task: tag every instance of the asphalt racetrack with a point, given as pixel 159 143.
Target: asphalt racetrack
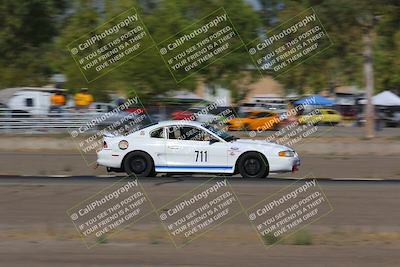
pixel 323 166
pixel 362 229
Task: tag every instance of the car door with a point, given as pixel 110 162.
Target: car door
pixel 188 149
pixel 156 146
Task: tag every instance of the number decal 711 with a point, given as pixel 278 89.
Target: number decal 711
pixel 201 156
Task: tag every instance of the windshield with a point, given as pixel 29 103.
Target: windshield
pixel 222 134
pixel 244 114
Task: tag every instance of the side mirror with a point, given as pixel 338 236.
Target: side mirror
pixel 212 141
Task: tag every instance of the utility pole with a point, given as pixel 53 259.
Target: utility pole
pixel 369 78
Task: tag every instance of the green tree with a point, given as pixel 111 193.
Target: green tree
pixel 342 63
pixel 84 19
pixel 147 73
pixel 26 32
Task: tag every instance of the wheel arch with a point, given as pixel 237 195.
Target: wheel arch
pixel 236 170
pixel 136 150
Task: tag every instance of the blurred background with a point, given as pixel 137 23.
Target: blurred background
pixel 355 150
pixel 35 63
pixel 354 84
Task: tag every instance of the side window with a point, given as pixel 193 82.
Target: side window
pixel 194 134
pixel 188 133
pixel 29 102
pixel 174 132
pixel 159 133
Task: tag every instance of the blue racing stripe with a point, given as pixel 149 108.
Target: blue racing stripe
pixel 195 167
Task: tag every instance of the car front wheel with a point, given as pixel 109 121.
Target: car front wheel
pixel 253 165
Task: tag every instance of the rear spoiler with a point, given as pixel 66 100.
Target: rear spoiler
pixel 108 134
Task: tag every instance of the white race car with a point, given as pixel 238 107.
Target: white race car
pixel 192 147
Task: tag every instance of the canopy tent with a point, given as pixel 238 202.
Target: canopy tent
pixel 315 100
pixel 386 98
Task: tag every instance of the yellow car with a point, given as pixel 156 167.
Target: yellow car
pixel 254 121
pixel 321 116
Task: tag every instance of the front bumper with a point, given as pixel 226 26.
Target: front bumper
pixel 296 164
pixel 284 164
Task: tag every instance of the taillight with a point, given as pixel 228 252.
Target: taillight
pixel 105 144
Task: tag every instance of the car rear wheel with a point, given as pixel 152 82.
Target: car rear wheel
pixel 253 165
pixel 139 163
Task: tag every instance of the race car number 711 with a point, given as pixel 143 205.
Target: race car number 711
pixel 201 153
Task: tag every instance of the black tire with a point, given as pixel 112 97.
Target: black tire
pixel 246 127
pixel 139 163
pixel 253 165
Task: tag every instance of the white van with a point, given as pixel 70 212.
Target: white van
pixel 35 100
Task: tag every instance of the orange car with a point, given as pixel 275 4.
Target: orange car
pixel 255 121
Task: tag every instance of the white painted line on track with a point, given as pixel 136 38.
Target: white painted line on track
pixel 269 178
pixel 356 179
pixel 59 176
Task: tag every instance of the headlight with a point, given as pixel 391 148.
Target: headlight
pixel 123 144
pixel 286 153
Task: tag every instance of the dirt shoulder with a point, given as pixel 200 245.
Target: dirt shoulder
pixel 323 145
pixel 35 231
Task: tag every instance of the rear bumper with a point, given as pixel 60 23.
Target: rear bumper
pixel 108 158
